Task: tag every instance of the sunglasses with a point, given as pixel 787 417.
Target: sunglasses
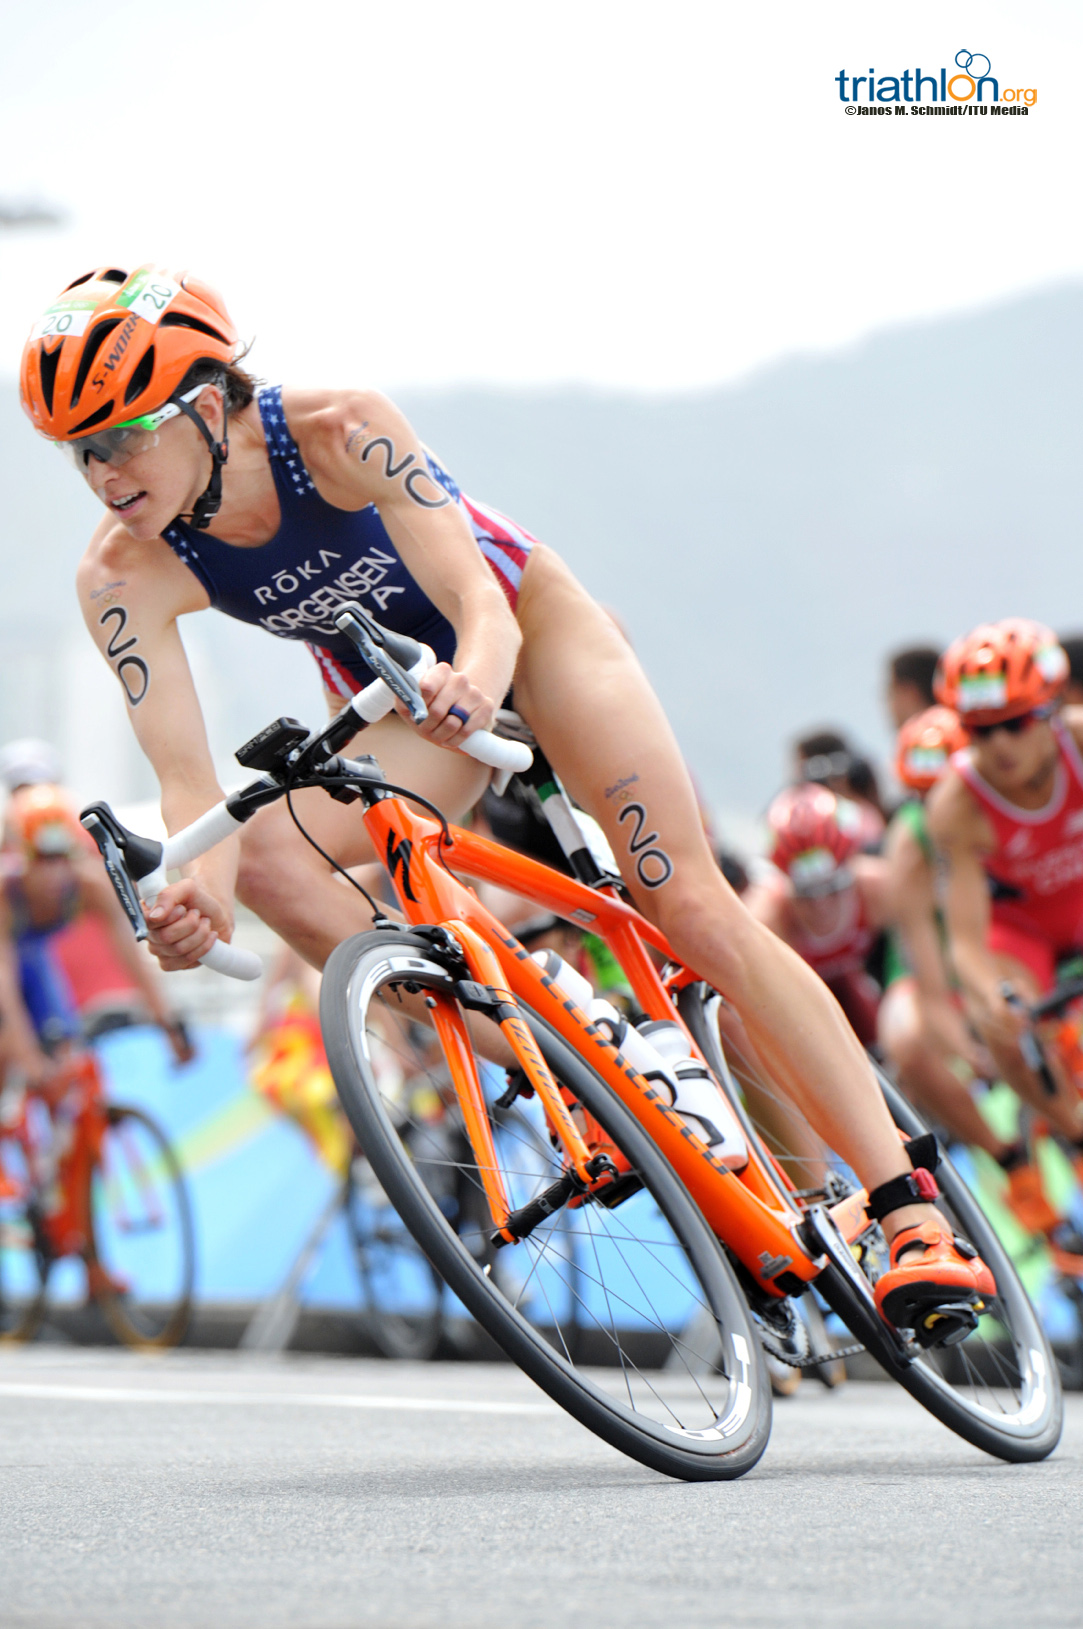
pixel 123 441
pixel 1013 726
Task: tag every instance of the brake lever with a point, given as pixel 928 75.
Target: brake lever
pixel 358 626
pixel 123 886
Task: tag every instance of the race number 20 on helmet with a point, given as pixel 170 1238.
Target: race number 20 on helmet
pixel 105 364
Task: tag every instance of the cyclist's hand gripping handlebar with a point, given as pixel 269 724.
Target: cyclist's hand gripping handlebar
pixel 137 866
pixel 400 663
pixel 137 869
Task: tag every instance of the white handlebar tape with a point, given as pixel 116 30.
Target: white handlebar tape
pixel 496 752
pixel 211 828
pixel 376 700
pixel 234 962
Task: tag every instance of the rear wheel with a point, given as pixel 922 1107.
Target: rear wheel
pixel 999 1388
pixel 616 1288
pixel 141 1261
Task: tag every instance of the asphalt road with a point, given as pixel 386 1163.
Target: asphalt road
pixel 221 1491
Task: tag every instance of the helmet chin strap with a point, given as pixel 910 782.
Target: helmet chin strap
pixel 209 501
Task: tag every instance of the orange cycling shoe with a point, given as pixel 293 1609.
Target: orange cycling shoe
pixel 937 1283
pixel 937 1287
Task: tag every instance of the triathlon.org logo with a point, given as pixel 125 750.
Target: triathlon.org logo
pixel 971 89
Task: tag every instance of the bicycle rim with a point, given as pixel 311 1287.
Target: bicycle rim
pixel 598 1305
pixel 141 1263
pixel 999 1389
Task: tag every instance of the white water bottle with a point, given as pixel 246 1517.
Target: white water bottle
pixel 697 1099
pixel 658 1050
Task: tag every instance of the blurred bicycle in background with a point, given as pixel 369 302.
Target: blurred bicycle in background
pixel 93 1211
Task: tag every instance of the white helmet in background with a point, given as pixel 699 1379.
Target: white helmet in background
pixel 29 763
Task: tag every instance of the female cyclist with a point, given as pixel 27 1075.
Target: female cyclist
pixel 330 496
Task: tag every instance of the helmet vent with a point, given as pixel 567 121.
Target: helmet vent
pixel 141 378
pixel 179 319
pixel 95 418
pixel 95 340
pixel 113 275
pixel 47 365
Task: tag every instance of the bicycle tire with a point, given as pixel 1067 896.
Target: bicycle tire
pixel 736 1418
pixel 1023 1364
pixel 1034 1430
pixel 163 1322
pixel 410 1335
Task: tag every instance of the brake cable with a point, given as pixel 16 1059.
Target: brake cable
pixel 379 915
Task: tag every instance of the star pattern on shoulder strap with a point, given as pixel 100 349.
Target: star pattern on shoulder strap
pixel 280 444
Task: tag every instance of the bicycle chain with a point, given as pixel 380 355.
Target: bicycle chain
pixel 812 1362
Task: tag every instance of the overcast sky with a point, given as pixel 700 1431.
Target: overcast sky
pixel 644 196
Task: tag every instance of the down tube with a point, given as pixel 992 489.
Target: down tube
pixel 758 1232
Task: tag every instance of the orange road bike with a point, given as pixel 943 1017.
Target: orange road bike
pixel 93 1208
pixel 692 1250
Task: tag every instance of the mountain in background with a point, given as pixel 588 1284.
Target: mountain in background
pixel 766 544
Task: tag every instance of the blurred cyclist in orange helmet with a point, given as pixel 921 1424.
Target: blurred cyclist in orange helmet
pixel 51 875
pixel 1008 819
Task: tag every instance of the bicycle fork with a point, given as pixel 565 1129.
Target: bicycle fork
pixel 487 992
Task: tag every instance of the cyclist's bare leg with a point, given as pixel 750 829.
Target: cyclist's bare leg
pixel 1064 1110
pixel 581 689
pixel 924 1072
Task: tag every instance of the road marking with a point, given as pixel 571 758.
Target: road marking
pixel 301 1399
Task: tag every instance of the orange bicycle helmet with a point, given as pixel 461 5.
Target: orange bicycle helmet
pixel 41 821
pixel 925 744
pixel 1000 670
pixel 107 359
pixel 813 836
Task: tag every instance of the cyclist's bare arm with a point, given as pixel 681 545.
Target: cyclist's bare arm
pixel 131 595
pixel 19 1047
pixel 963 836
pixel 359 449
pixel 1073 717
pixel 913 911
pixel 871 876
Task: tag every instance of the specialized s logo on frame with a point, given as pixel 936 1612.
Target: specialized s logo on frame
pixel 971 88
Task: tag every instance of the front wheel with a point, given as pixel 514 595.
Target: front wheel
pixel 614 1287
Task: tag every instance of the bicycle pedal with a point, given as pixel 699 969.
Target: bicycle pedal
pixel 947 1324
